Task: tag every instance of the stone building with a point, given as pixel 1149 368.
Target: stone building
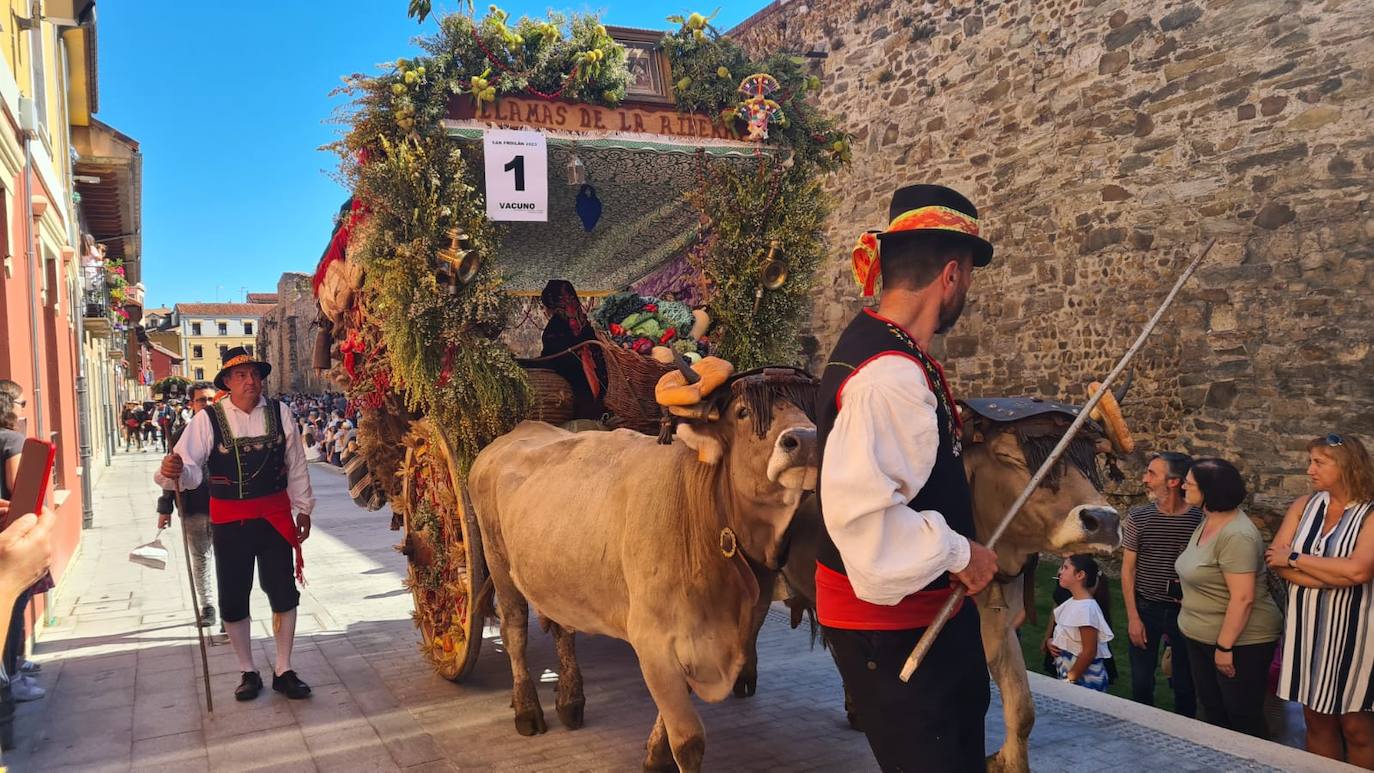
pixel 287 338
pixel 1104 143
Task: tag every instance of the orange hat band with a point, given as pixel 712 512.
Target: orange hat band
pixel 864 258
pixel 934 218
pixel 239 360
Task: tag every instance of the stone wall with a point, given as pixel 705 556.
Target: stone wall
pixel 1104 142
pixel 287 338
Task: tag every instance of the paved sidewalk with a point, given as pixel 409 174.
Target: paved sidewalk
pixel 123 674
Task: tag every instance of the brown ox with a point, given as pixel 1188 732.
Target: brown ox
pixel 1067 514
pixel 612 533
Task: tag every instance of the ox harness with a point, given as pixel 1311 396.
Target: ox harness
pixel 868 338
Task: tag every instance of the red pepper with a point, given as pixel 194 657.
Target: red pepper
pixel 616 329
pixel 651 307
pixel 643 346
pixel 668 335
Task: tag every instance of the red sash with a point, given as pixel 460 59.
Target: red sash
pixel 838 607
pixel 274 508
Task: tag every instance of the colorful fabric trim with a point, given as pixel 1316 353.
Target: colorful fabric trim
pixel 865 262
pixel 864 257
pixel 242 359
pixel 934 218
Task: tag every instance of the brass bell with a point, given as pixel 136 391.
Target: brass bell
pixel 462 261
pixel 773 273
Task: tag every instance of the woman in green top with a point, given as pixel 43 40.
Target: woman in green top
pixel 1230 626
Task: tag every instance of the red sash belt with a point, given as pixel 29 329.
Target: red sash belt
pixel 274 508
pixel 838 607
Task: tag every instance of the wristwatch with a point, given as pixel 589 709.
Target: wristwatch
pixel 1293 560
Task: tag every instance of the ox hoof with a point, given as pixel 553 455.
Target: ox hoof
pixel 530 722
pixel 746 686
pixel 571 714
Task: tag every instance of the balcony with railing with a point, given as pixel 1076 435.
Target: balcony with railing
pixel 97 310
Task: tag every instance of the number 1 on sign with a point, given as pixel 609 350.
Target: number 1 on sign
pixel 517 165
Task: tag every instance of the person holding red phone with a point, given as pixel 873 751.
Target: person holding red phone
pixel 248 449
pixel 23 687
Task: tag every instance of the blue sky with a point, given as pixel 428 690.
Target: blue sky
pixel 230 101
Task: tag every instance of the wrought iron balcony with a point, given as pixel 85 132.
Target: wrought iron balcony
pixel 96 305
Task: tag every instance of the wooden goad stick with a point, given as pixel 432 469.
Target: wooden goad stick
pixel 959 592
pixel 195 600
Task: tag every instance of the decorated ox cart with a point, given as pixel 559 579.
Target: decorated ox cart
pixel 670 178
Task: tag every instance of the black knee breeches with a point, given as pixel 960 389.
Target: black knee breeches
pixel 238 546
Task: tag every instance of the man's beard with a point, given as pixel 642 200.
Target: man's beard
pixel 950 314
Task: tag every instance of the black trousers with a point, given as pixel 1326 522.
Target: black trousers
pixel 1160 619
pixel 1233 702
pixel 935 721
pixel 238 546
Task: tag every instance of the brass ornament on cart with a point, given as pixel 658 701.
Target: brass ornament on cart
pixel 459 263
pixel 773 273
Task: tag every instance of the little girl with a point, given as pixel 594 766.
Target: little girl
pixel 1081 632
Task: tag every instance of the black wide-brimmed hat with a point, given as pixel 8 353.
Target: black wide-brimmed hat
pixel 922 209
pixel 234 357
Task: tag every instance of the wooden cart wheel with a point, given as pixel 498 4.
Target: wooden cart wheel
pixel 447 573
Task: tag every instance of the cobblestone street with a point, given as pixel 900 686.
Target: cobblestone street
pixel 124 687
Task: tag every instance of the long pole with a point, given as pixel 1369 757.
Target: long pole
pixel 959 593
pixel 195 600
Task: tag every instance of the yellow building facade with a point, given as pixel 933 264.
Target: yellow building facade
pixel 208 329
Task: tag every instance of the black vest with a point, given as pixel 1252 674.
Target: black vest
pixel 947 490
pixel 249 467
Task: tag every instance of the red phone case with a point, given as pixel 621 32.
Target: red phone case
pixel 31 485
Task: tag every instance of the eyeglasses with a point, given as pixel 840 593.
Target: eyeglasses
pixel 1335 440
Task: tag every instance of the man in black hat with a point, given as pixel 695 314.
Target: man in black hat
pixel 898 517
pixel 248 448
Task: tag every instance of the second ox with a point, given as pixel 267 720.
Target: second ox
pixel 1005 441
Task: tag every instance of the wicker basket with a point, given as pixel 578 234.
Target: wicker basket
pixel 553 398
pixel 630 382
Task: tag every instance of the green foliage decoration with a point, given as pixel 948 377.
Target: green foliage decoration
pixel 438 340
pixel 748 211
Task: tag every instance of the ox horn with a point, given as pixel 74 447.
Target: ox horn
pixel 1120 392
pixel 685 368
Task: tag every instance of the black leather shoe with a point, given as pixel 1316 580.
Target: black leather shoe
pixel 291 686
pixel 249 686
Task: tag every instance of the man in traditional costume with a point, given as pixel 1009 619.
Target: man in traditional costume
pixel 250 451
pixel 896 505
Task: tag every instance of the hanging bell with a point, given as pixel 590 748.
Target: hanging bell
pixel 461 262
pixel 324 338
pixel 773 273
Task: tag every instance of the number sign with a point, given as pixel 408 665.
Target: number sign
pixel 517 166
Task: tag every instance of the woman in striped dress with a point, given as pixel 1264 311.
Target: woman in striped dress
pixel 1325 550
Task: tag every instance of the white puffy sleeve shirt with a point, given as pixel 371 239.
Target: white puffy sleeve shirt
pixel 878 455
pixel 199 437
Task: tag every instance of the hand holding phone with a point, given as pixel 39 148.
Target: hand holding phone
pixel 25 552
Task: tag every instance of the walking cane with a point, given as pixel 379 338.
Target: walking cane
pixel 959 593
pixel 195 600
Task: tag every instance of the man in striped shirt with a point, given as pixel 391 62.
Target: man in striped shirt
pixel 1153 537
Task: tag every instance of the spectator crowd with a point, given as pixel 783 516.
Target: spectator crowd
pixel 1252 631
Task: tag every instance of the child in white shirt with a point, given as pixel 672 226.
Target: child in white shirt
pixel 1081 633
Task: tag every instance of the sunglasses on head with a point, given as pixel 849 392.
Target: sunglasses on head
pixel 1335 440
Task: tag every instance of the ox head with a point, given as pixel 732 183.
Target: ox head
pixel 755 432
pixel 1005 442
